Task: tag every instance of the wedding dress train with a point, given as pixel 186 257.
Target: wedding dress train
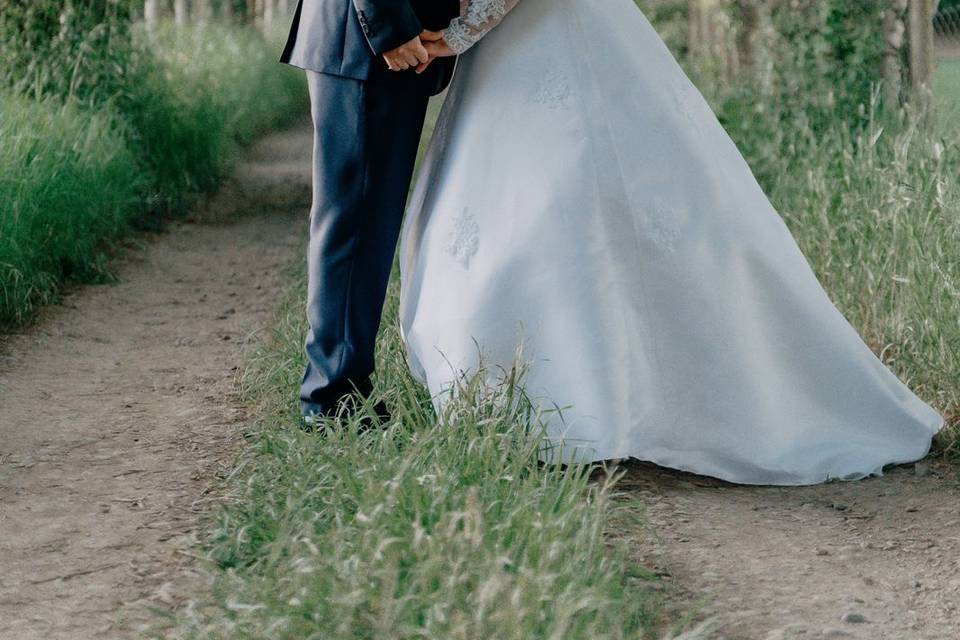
pixel 580 197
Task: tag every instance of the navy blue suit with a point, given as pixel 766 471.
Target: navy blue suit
pixel 368 121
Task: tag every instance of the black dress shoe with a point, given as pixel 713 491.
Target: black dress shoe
pixel 379 420
pixel 349 406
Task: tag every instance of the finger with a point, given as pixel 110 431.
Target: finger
pixel 431 36
pixel 411 59
pixel 423 66
pixel 398 62
pixel 420 53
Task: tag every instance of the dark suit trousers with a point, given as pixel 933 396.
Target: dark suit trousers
pixel 365 146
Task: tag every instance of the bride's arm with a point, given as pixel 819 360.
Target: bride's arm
pixel 477 19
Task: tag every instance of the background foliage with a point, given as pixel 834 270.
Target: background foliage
pixel 107 126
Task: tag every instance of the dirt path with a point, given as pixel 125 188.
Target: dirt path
pixel 116 416
pixel 877 559
pixel 116 409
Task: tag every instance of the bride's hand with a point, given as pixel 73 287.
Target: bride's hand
pixel 436 47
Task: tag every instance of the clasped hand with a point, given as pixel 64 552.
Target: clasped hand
pixel 418 53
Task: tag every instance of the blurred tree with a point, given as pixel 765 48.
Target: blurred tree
pixel 268 13
pixel 921 50
pixel 829 52
pixel 749 16
pixel 894 30
pixel 202 11
pixel 709 38
pixel 151 12
pixel 181 12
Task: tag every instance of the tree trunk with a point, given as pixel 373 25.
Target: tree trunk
pixel 749 13
pixel 695 30
pixel 269 12
pixel 283 8
pixel 920 35
pixel 894 29
pixel 202 11
pixel 181 14
pixel 151 12
pixel 226 11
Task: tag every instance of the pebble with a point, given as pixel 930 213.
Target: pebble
pixel 921 469
pixel 835 633
pixel 853 618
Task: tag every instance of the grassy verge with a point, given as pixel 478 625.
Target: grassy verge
pixel 68 179
pixel 73 176
pixel 197 103
pixel 442 527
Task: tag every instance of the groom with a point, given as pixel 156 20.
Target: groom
pixel 368 103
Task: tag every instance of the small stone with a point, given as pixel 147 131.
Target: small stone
pixel 912 509
pixel 853 618
pixel 835 633
pixel 839 506
pixel 921 469
pixel 822 552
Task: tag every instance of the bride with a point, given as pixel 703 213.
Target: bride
pixel 580 198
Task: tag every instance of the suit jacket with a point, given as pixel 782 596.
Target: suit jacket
pixel 348 37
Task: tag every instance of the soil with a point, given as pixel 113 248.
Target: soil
pixel 118 408
pixel 876 559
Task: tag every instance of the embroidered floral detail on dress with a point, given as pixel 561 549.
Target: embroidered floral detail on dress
pixel 663 224
pixel 464 238
pixel 553 91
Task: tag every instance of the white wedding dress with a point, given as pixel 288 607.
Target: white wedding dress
pixel 581 198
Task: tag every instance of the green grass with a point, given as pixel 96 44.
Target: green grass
pixel 73 177
pixel 441 527
pixel 68 180
pixel 198 102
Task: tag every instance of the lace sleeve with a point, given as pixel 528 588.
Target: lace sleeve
pixel 477 19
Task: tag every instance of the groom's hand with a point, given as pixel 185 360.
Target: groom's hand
pixel 435 46
pixel 408 55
